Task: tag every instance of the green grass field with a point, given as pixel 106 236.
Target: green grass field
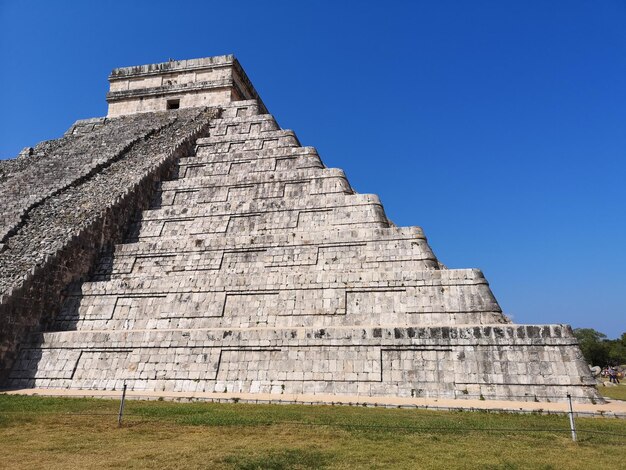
pixel 616 393
pixel 55 433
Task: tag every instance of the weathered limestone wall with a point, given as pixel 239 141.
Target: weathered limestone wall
pixel 258 269
pixel 212 81
pixel 494 362
pixel 71 198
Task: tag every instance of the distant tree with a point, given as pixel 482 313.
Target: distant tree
pixel 617 350
pixel 598 350
pixel 592 346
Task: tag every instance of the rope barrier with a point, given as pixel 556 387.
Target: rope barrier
pixel 145 418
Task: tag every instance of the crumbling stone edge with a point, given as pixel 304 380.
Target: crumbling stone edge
pixel 76 182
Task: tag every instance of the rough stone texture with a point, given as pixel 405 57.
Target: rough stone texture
pixel 256 269
pixel 212 81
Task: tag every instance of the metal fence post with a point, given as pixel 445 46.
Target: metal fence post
pixel 571 418
pixel 119 418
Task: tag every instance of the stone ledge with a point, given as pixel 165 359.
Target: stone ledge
pixel 172 66
pixel 114 96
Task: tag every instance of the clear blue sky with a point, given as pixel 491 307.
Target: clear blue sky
pixel 497 126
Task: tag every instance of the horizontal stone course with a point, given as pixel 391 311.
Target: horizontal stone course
pixel 326 236
pixel 445 361
pixel 260 185
pixel 180 281
pixel 247 124
pixel 256 178
pixel 379 255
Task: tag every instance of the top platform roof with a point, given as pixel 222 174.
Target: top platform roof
pixel 204 81
pixel 174 66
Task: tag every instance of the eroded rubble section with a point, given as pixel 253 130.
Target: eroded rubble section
pixel 257 269
pixel 52 166
pixel 67 199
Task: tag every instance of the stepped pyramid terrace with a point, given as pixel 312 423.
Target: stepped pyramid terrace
pixel 187 243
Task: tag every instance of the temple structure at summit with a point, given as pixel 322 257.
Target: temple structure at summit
pixel 187 243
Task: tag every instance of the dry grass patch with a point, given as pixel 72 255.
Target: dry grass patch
pixel 616 393
pixel 60 433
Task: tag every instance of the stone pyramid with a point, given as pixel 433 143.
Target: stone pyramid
pixel 212 252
